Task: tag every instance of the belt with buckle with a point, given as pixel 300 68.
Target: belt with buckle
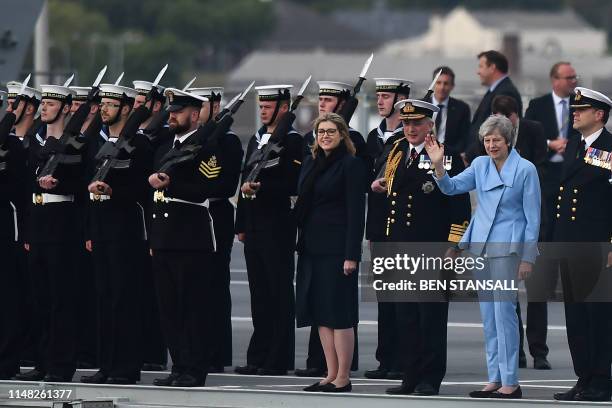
pixel 46 198
pixel 99 197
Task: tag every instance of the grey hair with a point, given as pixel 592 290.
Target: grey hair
pixel 496 122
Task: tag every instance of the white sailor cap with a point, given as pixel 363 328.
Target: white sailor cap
pixel 118 92
pixel 274 92
pixel 415 109
pixel 81 92
pixel 394 85
pixel 57 92
pixel 144 87
pixel 588 98
pixel 14 88
pixel 179 99
pixel 214 93
pixel 333 88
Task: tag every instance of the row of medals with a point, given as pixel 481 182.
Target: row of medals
pixel 425 162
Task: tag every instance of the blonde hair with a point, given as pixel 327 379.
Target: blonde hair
pixel 340 125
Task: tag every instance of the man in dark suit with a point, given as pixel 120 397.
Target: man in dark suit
pixel 453 119
pixel 583 219
pixel 552 111
pixel 493 73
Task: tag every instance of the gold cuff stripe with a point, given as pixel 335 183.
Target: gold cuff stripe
pixel 454 237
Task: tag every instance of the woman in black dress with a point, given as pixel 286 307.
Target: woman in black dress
pixel 330 214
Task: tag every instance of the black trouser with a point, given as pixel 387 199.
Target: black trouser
pixel 270 268
pixel 154 350
pixel 87 312
pixel 32 327
pixel 12 299
pixel 222 213
pixel 316 356
pixel 537 328
pixel 183 280
pixel 53 269
pixel 589 324
pixel 387 350
pixel 422 335
pixel 117 266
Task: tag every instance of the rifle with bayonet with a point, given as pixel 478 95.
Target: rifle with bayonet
pixel 71 133
pixel 350 105
pixel 260 159
pixel 108 155
pixel 209 133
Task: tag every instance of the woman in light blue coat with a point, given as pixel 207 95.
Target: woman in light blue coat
pixel 504 231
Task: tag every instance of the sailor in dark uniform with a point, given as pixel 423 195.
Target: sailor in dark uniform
pixel 54 238
pixel 265 224
pixel 584 221
pixel 332 96
pixel 118 236
pixel 16 319
pixel 156 130
pixel 222 212
pixel 183 242
pixel 419 212
pixel 379 143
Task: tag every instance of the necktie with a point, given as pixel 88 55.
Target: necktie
pixel 413 154
pixel 177 144
pixel 564 119
pixel 439 117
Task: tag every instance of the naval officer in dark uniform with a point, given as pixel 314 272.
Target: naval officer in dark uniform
pixel 584 220
pixel 420 212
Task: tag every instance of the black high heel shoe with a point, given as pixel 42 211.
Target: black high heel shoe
pixel 314 387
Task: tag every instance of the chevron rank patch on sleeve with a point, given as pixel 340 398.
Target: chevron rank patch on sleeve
pixel 210 169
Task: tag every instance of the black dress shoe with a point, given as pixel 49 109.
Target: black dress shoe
pixel 516 394
pixel 153 367
pixel 120 380
pixel 57 378
pixel 32 375
pixel 97 378
pixel 309 372
pixel 216 369
pixel 331 387
pixel 425 389
pixel 314 387
pixel 377 374
pixel 568 395
pixel 403 389
pixel 166 381
pixel 246 369
pixel 541 363
pixel 271 371
pixel 522 360
pixel 481 394
pixel 188 380
pixel 394 375
pixel 591 394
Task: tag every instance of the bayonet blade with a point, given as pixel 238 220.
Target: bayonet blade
pixel 69 80
pixel 230 103
pixel 24 84
pixel 246 91
pixel 304 85
pixel 366 66
pixel 433 83
pixel 189 83
pixel 160 75
pixel 99 77
pixel 119 78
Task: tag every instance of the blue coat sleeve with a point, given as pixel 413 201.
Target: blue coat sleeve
pixel 531 208
pixel 463 182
